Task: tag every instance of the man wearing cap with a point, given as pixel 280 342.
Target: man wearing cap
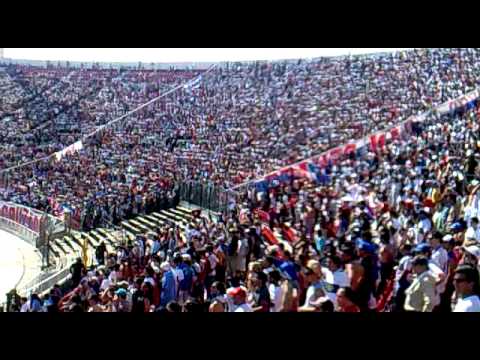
pixel 367 269
pixel 420 295
pixel 120 301
pixel 471 255
pixel 239 296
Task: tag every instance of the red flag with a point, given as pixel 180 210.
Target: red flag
pixel 395 132
pixel 303 166
pixel 381 140
pixel 373 143
pixel 269 236
pixel 321 161
pixel 349 148
pixel 290 234
pixel 335 154
pixel 303 171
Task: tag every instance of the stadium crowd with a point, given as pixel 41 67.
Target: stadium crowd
pixel 395 229
pixel 234 124
pixel 392 230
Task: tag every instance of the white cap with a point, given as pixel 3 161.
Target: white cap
pixel 473 250
pixel 165 266
pixel 447 237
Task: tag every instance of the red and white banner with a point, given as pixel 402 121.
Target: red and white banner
pixel 375 141
pixel 21 215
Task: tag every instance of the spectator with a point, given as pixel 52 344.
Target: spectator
pixel 467 288
pixel 345 301
pixel 275 290
pixel 420 296
pixel 334 277
pixel 77 270
pixel 239 296
pixel 168 284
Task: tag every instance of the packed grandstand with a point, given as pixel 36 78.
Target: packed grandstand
pixel 340 184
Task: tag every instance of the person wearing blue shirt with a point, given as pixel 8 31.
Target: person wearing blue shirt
pixel 186 283
pixel 288 267
pixel 168 285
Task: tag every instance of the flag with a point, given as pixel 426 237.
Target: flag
pixel 261 186
pixel 373 143
pixel 301 170
pixel 315 171
pixel 285 174
pixel 321 161
pixel 290 234
pixel 349 148
pixel 381 140
pixel 335 154
pixel 273 176
pixel 395 132
pixel 267 233
pixel 194 84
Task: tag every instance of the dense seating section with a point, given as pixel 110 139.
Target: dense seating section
pixel 237 122
pixel 387 229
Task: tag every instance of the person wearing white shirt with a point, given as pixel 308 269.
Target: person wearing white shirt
pixel 467 286
pixel 275 290
pixel 24 307
pixel 239 296
pixel 439 254
pixel 334 277
pixel 473 231
pixel 440 277
pixel 425 224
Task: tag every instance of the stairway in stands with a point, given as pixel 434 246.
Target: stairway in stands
pixel 70 247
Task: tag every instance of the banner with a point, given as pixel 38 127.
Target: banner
pixel 373 142
pixel 21 215
pixel 69 150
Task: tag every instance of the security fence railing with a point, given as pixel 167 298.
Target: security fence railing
pixel 205 195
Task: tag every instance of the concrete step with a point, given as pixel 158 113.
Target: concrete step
pixel 61 248
pixel 139 225
pixel 174 216
pixel 169 219
pixel 146 222
pixel 68 241
pixel 54 251
pixel 129 227
pixel 182 214
pixel 107 234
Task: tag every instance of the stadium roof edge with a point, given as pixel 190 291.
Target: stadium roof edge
pixel 176 65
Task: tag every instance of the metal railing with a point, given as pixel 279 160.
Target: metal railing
pixel 204 195
pixel 45 282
